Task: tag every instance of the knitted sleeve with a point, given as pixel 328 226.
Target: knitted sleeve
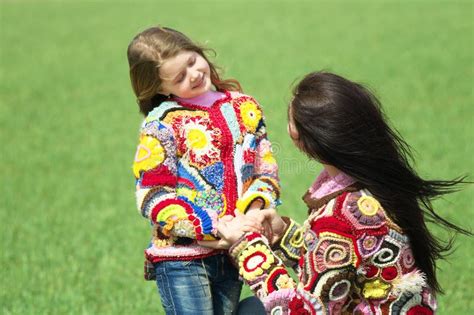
pixel 327 268
pixel 155 170
pixel 265 184
pixel 355 260
pixel 288 249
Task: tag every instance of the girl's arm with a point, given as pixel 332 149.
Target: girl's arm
pixel 264 190
pixel 155 170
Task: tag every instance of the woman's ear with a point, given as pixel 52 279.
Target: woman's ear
pixel 292 132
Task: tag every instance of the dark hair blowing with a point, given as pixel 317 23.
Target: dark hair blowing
pixel 147 52
pixel 341 123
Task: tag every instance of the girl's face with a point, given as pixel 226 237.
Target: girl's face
pixel 185 75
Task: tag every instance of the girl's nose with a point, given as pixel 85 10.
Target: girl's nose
pixel 194 76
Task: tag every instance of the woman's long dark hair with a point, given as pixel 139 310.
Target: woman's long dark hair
pixel 342 124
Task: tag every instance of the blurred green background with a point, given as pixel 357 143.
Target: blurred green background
pixel 72 241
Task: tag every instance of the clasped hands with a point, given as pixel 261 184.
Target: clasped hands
pixel 229 229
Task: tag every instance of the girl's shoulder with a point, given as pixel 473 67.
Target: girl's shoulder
pixel 239 96
pixel 160 112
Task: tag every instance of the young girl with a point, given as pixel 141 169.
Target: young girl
pixel 365 247
pixel 203 154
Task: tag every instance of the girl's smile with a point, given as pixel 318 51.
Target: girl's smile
pixel 185 75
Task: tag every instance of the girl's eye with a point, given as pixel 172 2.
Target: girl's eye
pixel 180 78
pixel 192 61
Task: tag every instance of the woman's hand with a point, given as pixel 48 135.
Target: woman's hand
pixel 259 217
pixel 278 226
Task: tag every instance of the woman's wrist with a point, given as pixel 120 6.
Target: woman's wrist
pixel 279 236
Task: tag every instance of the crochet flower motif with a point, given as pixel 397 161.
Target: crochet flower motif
pixel 150 153
pixel 364 211
pixel 266 161
pixel 199 139
pixel 254 260
pixel 368 244
pixel 251 115
pixel 333 251
pixel 407 261
pixel 368 205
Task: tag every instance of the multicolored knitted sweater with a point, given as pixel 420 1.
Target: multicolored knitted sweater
pixel 349 256
pixel 195 164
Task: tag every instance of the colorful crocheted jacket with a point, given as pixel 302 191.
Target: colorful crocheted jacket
pixel 195 164
pixel 350 259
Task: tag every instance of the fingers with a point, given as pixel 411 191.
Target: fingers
pixel 267 230
pixel 251 226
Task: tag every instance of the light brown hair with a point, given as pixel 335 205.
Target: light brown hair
pixel 147 52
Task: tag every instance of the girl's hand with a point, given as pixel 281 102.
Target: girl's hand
pixel 231 229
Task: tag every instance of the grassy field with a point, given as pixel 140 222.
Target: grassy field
pixel 72 240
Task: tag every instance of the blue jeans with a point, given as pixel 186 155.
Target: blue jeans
pixel 200 287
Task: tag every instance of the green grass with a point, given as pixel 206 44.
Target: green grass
pixel 72 240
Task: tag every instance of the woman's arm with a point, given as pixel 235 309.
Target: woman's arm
pixel 327 269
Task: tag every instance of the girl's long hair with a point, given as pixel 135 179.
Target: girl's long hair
pixel 341 123
pixel 147 52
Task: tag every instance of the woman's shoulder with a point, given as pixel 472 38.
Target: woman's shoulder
pixel 356 212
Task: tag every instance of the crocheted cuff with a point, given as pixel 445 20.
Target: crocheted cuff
pixel 165 210
pixel 244 203
pixel 179 211
pixel 239 245
pixel 289 247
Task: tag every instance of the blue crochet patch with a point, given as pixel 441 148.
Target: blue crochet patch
pixel 206 221
pixel 247 171
pixel 214 175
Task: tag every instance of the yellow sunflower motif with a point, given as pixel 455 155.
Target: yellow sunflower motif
pixel 251 115
pixel 375 289
pixel 254 260
pixel 150 153
pixel 197 139
pixel 368 205
pixel 200 139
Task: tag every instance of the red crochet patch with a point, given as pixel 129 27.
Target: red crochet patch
pixel 296 306
pixel 160 175
pixel 371 271
pixel 331 224
pixel 389 273
pixel 419 310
